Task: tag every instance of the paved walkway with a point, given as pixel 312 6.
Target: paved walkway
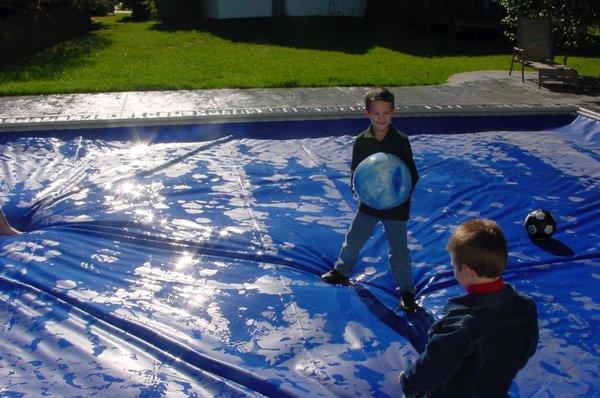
pixel 466 93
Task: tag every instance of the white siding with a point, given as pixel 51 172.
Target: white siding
pixel 298 8
pixel 237 8
pixel 352 8
pixel 264 8
pixel 210 8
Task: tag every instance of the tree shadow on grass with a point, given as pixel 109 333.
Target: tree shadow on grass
pixel 130 19
pixel 53 61
pixel 590 49
pixel 348 35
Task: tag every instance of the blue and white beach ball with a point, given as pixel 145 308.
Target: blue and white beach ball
pixel 382 181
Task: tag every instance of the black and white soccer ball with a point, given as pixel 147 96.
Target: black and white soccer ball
pixel 540 225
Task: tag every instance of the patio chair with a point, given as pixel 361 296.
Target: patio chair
pixel 535 49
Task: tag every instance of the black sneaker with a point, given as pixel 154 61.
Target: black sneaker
pixel 335 277
pixel 407 302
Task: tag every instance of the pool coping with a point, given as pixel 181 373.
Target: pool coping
pixel 67 122
pixel 484 93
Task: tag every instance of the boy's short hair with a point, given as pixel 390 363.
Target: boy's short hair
pixel 480 244
pixel 378 94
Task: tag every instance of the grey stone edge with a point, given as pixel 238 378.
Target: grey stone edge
pixel 79 121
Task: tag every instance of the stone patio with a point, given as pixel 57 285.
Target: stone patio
pixel 489 92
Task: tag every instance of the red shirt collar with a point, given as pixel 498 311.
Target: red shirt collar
pixel 489 287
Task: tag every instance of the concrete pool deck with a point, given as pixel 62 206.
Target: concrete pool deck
pixel 488 92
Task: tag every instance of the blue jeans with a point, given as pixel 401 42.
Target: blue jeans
pixel 399 257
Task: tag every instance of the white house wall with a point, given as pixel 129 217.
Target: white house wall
pixel 223 9
pixel 210 8
pixel 297 8
pixel 353 8
pixel 220 9
pixel 350 8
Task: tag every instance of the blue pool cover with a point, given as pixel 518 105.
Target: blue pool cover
pixel 184 261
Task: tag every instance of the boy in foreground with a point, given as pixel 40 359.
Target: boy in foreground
pixel 381 136
pixel 483 338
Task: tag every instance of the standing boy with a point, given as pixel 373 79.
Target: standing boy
pixel 5 227
pixel 483 338
pixel 381 136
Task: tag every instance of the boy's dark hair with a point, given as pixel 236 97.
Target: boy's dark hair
pixel 378 94
pixel 480 244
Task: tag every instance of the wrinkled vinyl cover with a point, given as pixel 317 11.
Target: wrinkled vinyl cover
pixel 184 261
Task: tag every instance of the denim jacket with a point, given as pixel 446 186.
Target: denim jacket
pixel 476 348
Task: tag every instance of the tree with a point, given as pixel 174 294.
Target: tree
pixel 572 20
pixel 174 10
pixel 139 9
pixel 39 8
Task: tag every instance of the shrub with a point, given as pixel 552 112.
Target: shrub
pixel 101 7
pixel 572 21
pixel 174 10
pixel 22 35
pixel 39 8
pixel 139 9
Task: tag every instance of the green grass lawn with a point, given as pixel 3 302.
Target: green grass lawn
pixel 124 55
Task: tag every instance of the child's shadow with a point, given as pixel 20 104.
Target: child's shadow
pixel 555 247
pixel 412 326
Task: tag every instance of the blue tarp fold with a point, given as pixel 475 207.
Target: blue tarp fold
pixel 185 260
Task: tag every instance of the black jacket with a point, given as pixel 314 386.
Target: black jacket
pixel 397 144
pixel 476 348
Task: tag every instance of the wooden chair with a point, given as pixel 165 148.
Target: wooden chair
pixel 535 49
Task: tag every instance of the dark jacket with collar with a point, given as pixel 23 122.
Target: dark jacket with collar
pixel 397 144
pixel 476 348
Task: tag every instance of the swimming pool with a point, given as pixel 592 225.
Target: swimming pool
pixel 185 260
